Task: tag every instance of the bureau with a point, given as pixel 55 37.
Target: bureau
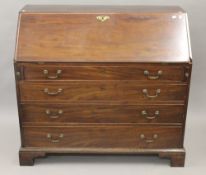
pixel 102 80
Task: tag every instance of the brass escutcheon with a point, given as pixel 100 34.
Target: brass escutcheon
pixel 102 18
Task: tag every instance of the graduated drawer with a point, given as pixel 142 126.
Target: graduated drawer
pixel 152 72
pixel 99 91
pixel 116 136
pixel 100 113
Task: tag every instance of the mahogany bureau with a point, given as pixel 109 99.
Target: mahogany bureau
pixel 102 80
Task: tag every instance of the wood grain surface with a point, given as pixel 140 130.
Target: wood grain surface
pixel 102 79
pixel 102 113
pixel 103 137
pixel 101 91
pixel 169 72
pixel 124 37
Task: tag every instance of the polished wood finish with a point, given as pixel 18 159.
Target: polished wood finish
pixel 115 87
pixel 101 113
pixel 125 37
pixel 99 9
pixel 112 136
pixel 170 73
pixel 177 158
pixel 100 91
pixel 28 155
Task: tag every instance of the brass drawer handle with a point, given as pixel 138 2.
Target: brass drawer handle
pixel 46 91
pixel 102 18
pixel 154 137
pixel 153 77
pixel 50 137
pixel 145 91
pixel 54 115
pixel 46 73
pixel 145 114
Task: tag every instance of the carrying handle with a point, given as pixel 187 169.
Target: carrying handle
pixel 153 77
pixel 50 137
pixel 52 93
pixel 54 115
pixel 145 114
pixel 58 73
pixel 148 140
pixel 145 91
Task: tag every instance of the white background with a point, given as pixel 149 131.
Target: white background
pixel 195 139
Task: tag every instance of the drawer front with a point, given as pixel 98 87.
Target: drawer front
pixel 103 137
pixel 99 91
pixel 142 72
pixel 88 113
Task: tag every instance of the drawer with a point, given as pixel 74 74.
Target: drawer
pixel 99 91
pixel 152 72
pixel 100 113
pixel 116 136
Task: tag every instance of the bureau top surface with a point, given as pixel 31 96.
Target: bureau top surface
pixel 102 34
pixel 98 9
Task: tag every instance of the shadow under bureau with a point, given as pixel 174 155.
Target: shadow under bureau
pixel 102 80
